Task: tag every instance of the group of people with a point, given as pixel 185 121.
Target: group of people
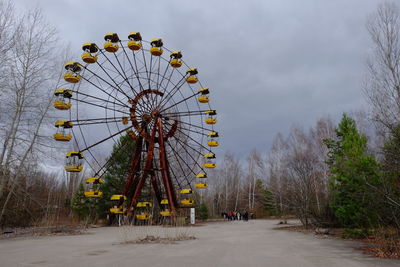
pixel 235 215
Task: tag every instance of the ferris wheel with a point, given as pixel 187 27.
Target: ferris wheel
pixel 145 91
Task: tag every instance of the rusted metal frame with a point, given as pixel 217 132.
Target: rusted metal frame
pixel 135 166
pixel 156 186
pixel 172 200
pixel 147 168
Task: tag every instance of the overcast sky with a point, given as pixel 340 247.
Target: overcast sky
pixel 270 64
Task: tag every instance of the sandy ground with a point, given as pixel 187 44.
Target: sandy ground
pixel 238 243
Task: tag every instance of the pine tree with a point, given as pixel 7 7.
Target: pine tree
pixel 203 211
pixel 353 173
pixel 80 204
pixel 117 173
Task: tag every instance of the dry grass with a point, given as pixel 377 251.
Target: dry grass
pixel 146 234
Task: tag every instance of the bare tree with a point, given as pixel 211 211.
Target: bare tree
pixel 382 85
pixel 34 71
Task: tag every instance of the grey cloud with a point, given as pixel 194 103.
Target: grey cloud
pixel 269 63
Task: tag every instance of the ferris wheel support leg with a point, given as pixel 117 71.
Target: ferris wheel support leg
pixel 165 170
pixel 147 168
pixel 134 166
pixel 156 188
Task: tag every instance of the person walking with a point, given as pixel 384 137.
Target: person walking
pixel 246 216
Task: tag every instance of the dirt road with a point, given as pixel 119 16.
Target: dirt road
pixel 252 243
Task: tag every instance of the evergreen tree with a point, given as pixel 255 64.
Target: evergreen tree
pixel 80 204
pixel 353 174
pixel 203 211
pixel 117 172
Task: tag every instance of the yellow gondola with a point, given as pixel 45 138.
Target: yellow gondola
pixel 211 112
pixel 88 49
pixel 204 91
pixel 72 77
pixel 187 202
pixel 201 175
pixel 74 68
pixel 203 99
pixel 143 204
pixel 134 42
pixel 212 143
pixel 111 39
pixel 62 134
pixel 118 197
pixel 209 156
pixel 74 162
pixel 94 194
pixel 143 216
pixel 186 191
pixel 63 99
pixel 210 165
pixel 192 75
pixel 201 185
pixel 117 210
pixel 89 58
pixel 164 202
pixel 211 121
pixel 165 213
pixel 156 49
pixel 93 186
pixel 176 61
pixel 213 134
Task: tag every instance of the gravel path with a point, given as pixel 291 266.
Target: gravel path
pixel 237 243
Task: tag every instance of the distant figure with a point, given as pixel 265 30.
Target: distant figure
pixel 230 216
pixel 238 215
pixel 246 216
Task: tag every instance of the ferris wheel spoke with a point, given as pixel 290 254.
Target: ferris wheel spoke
pixel 98 98
pixel 101 106
pixel 133 69
pixel 111 159
pixel 195 126
pixel 94 119
pixel 97 122
pixel 101 89
pixel 185 113
pixel 183 145
pixel 180 166
pixel 193 131
pixel 162 80
pixel 105 139
pixel 175 176
pixel 188 136
pixel 123 75
pixel 126 77
pixel 116 86
pixel 169 80
pixel 136 71
pixel 179 102
pixel 171 93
